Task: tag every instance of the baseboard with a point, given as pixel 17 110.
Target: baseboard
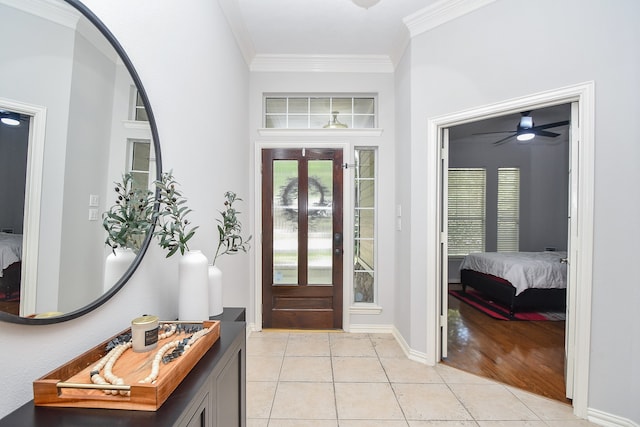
pixel 609 420
pixel 412 354
pixel 370 329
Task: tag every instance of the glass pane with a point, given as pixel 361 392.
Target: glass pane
pixel 285 222
pixel 363 285
pixel 366 193
pixel 366 160
pixel 320 245
pixel 319 121
pixel 363 122
pixel 342 105
pixel 320 106
pixel 365 224
pixel 275 122
pixel 298 105
pixel 298 122
pixel 141 114
pixel 363 106
pixel 140 161
pixel 275 105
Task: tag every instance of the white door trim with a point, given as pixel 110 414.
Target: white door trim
pixel 579 303
pixel 33 195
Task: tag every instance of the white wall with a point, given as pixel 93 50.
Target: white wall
pixel 381 84
pixel 188 62
pixel 476 60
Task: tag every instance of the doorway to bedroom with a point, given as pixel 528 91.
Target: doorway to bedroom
pixel 580 225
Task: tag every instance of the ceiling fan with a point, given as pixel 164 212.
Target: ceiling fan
pixel 526 130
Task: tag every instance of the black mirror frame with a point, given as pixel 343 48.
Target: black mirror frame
pixel 6 317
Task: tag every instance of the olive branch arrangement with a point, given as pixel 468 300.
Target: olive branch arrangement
pixel 173 230
pixel 230 240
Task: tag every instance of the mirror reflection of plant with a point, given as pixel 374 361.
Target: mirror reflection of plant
pixel 129 219
pixel 230 240
pixel 172 228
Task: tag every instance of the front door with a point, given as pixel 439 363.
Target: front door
pixel 302 240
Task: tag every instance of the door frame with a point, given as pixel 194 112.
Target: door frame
pixel 581 256
pixel 347 221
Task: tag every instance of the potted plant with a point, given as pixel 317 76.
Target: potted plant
pixel 174 231
pixel 127 223
pixel 230 242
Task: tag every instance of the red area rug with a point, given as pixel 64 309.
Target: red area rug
pixel 12 297
pixel 497 311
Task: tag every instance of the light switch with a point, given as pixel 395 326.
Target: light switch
pixel 93 214
pixel 94 200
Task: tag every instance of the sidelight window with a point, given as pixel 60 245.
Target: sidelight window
pixel 364 226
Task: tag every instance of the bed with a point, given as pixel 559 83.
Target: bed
pixel 517 280
pixel 10 264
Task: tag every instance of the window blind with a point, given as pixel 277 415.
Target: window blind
pixel 466 201
pixel 508 209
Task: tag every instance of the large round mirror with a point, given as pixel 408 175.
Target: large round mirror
pixel 83 121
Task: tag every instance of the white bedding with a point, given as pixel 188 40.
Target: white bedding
pixel 10 250
pixel 523 269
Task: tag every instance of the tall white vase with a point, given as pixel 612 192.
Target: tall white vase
pixel 215 290
pixel 193 300
pixel 115 265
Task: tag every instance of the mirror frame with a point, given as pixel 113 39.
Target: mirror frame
pixel 6 317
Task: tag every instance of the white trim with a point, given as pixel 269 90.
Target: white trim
pixel 347 221
pixel 136 125
pixel 365 309
pixel 320 132
pixel 440 13
pixel 54 11
pixel 233 15
pixel 609 420
pixel 284 63
pixel 33 196
pixel 411 354
pixel 580 312
pixel 357 328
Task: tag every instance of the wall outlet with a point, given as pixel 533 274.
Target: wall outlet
pixel 93 214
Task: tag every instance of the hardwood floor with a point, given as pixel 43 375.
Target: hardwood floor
pixel 10 307
pixel 527 355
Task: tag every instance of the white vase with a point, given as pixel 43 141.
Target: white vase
pixel 215 291
pixel 193 298
pixel 116 264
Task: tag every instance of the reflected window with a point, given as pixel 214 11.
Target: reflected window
pixel 140 156
pixel 138 111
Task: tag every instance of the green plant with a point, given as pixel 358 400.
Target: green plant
pixel 230 240
pixel 129 219
pixel 172 230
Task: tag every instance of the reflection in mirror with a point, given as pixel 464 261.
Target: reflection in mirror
pixel 85 121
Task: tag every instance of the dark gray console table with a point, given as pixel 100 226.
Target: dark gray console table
pixel 213 394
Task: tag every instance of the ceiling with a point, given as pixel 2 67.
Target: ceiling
pixel 322 27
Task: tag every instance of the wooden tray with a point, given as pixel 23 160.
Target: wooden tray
pixel 64 386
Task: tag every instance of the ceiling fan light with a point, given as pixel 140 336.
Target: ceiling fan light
pixel 526 122
pixel 526 136
pixel 365 3
pixel 10 118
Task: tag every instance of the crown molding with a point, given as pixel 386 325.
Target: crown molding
pixel 322 63
pixel 440 13
pixel 282 132
pixel 231 12
pixel 57 12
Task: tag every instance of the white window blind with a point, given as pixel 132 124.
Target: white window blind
pixel 508 209
pixel 467 195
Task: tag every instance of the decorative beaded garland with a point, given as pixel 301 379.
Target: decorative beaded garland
pixel 117 347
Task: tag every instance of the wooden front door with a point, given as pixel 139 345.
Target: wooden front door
pixel 302 238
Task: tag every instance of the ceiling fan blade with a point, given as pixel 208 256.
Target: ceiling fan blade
pixel 552 125
pixel 492 133
pixel 546 133
pixel 503 140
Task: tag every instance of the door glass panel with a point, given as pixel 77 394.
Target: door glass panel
pixel 285 222
pixel 320 215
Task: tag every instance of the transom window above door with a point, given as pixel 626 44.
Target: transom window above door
pixel 320 111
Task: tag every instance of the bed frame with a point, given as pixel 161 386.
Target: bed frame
pixel 10 280
pixel 503 292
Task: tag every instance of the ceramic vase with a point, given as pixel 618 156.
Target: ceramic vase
pixel 215 291
pixel 116 264
pixel 193 298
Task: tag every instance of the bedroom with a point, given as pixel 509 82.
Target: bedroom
pixel 13 161
pixel 539 213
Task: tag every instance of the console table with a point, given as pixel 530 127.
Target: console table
pixel 213 394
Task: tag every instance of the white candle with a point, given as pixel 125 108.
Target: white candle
pixel 144 333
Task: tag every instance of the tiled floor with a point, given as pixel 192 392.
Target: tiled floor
pixel 333 379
